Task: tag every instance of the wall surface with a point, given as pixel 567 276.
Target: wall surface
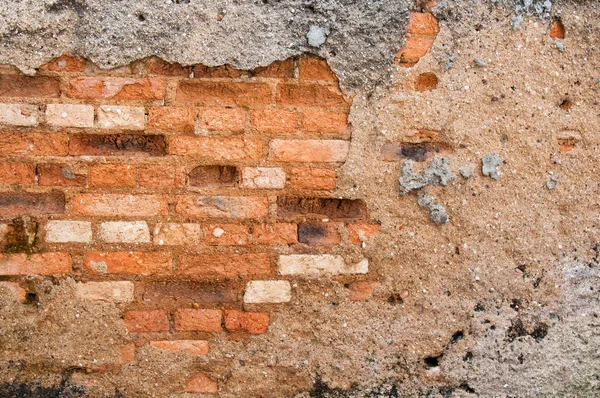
pixel 299 199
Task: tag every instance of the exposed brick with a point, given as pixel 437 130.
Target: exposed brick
pixel 14 290
pixel 415 48
pixel 28 86
pixel 213 176
pixel 21 203
pixel 156 66
pixel 173 118
pixel 360 232
pixel 63 231
pixel 16 173
pixel 426 81
pixel 156 175
pixel 222 206
pixel 216 149
pixel 309 178
pixel 305 264
pixel 194 347
pixel 65 63
pixel 201 383
pixel 115 292
pixel 278 70
pixel 263 178
pixel 318 234
pixel 114 205
pixel 250 322
pixel 316 121
pixel 146 321
pixel 275 234
pixel 33 144
pixel 18 236
pixel 174 234
pixel 117 145
pixel 127 353
pixel 274 120
pixel 309 150
pixel 335 209
pixel 35 264
pixel 395 152
pixel 25 115
pixel 557 30
pixel 422 23
pixel 121 117
pixel 310 95
pixel 225 264
pixel 124 232
pixel 199 320
pixel 423 136
pixel 310 68
pixel 360 291
pixel 70 115
pixel 268 292
pixel 211 72
pixel 116 88
pixel 188 292
pixel 61 175
pixel 226 234
pixel 128 263
pixel 222 119
pixel 224 93
pixel 112 175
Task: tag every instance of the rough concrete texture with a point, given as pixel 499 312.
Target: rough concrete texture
pixel 501 301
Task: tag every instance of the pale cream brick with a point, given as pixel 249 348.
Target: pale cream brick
pixel 118 292
pixel 263 177
pixel 121 117
pixel 125 232
pixel 268 292
pixel 19 114
pixel 305 264
pixel 61 231
pixel 70 115
pixel 174 234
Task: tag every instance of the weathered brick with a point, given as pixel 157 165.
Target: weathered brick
pixel 65 63
pixel 274 120
pixel 263 178
pixel 115 292
pixel 309 150
pixel 360 291
pixel 310 178
pixel 317 121
pixel 226 234
pixel 201 383
pixel 156 66
pixel 222 119
pixel 557 30
pixel 156 175
pixel 117 145
pixel 210 93
pixel 199 320
pixel 127 353
pixel 16 173
pixel 212 72
pixel 22 203
pixel 360 232
pixel 63 231
pixel 152 263
pixel 121 117
pixel 310 95
pixel 35 264
pixel 225 264
pixel 116 88
pixel 112 175
pixel 168 294
pixel 306 264
pixel 61 175
pixel 318 233
pixel 335 209
pixel 275 234
pixel 268 292
pixel 124 232
pixel 146 321
pixel 34 144
pixel 28 86
pixel 310 68
pixel 213 176
pixel 416 47
pixel 216 149
pixel 25 115
pixel 426 81
pixel 222 206
pixel 277 70
pixel 70 115
pixel 395 152
pixel 250 322
pixel 422 23
pixel 194 347
pixel 174 234
pixel 18 236
pixel 14 290
pixel 114 205
pixel 173 118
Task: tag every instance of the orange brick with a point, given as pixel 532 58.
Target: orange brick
pixel 310 95
pixel 360 291
pixel 34 144
pixel 310 68
pixel 422 23
pixel 279 69
pixel 35 264
pixel 319 233
pixel 15 291
pixel 250 322
pixel 275 234
pixel 29 87
pixel 360 232
pixel 16 173
pixel 151 263
pixel 156 175
pixel 112 175
pixel 225 264
pixel 216 149
pixel 117 144
pixel 65 63
pixel 113 205
pixel 309 150
pixel 274 121
pixel 200 320
pixel 117 88
pixel 222 206
pixel 324 122
pixel 128 353
pixel 226 234
pixel 146 321
pixel 223 119
pixel 211 72
pixel 194 347
pixel 33 204
pixel 224 93
pixel 557 30
pixel 309 178
pixel 172 118
pixel 156 66
pixel 426 81
pixel 415 48
pixel 201 383
pixel 61 175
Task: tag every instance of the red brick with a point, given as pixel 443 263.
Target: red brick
pixel 30 87
pixel 278 70
pixel 16 173
pixel 172 118
pixel 226 234
pixel 146 321
pixel 360 291
pixel 117 88
pixel 331 208
pixel 310 95
pixel 222 119
pixel 324 122
pixel 222 206
pixel 360 232
pixel 137 263
pixel 213 176
pixel 309 178
pixel 415 48
pixel 309 150
pixel 250 322
pixel 212 72
pixel 194 347
pixel 310 68
pixel 65 63
pixel 113 205
pixel 216 149
pixel 61 175
pixel 224 93
pixel 225 264
pixel 34 144
pixel 422 23
pixel 319 233
pixel 275 234
pixel 182 293
pixel 117 145
pixel 35 264
pixel 426 81
pixel 201 383
pixel 127 353
pixel 112 175
pixel 156 66
pixel 274 121
pixel 199 320
pixel 34 204
pixel 557 30
pixel 156 175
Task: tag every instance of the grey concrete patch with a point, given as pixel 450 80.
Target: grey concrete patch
pixel 466 171
pixel 490 164
pixel 437 173
pixel 437 213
